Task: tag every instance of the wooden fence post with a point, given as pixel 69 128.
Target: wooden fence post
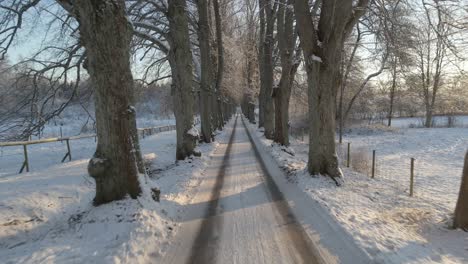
pixel 412 177
pixel 69 150
pixel 373 164
pixel 349 155
pixel 26 161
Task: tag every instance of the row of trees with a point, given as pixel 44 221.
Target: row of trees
pixel 321 28
pixel 381 72
pixel 413 60
pixel 337 41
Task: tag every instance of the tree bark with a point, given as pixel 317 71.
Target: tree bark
pixel 261 67
pixel 266 85
pixel 428 121
pixel 282 94
pixel 321 80
pixel 249 100
pixel 461 210
pixel 322 50
pixel 106 35
pixel 136 140
pixel 392 92
pixel 220 70
pixel 204 39
pixel 180 60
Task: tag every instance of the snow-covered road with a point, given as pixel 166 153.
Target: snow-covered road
pixel 239 215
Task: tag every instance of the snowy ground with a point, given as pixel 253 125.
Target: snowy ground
pixel 388 224
pixel 46 216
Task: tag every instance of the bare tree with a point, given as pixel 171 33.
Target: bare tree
pixel 322 45
pixel 431 55
pixel 394 30
pixel 385 22
pixel 56 66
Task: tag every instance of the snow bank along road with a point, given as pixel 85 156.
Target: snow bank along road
pixel 239 215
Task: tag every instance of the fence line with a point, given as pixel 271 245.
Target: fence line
pixel 365 160
pixel 142 132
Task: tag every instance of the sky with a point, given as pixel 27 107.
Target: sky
pixel 34 33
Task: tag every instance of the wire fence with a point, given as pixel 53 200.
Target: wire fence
pixel 398 171
pixel 24 151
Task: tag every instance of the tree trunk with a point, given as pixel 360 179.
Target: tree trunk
pixel 430 105
pixel 461 210
pixel 322 47
pixel 220 71
pixel 428 122
pixel 261 107
pixel 250 101
pixel 106 34
pixel 392 93
pixel 214 95
pixel 206 70
pixel 180 60
pixel 340 109
pixel 219 103
pixel 214 111
pixel 136 142
pixel 321 81
pixel 251 114
pixel 266 85
pixel 282 94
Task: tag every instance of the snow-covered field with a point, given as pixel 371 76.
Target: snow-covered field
pixel 75 125
pixel 75 120
pixel 46 216
pixel 439 121
pixel 388 224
